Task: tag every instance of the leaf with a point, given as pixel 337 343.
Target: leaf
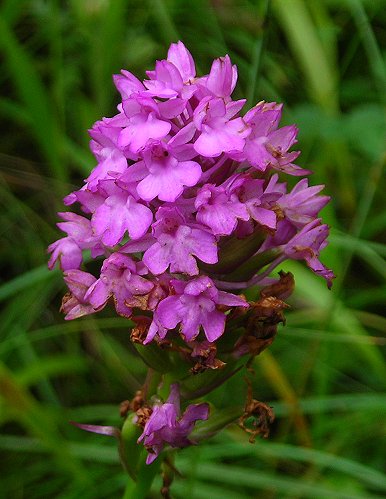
pixel 285 452
pixel 34 96
pixel 235 475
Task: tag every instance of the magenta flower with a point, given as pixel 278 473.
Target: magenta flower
pixel 222 78
pixel 68 250
pixel 119 213
pixel 302 204
pixel 182 59
pixel 65 251
pixel 127 84
pixel 110 158
pixel 161 174
pixel 121 279
pixel 165 81
pixel 307 244
pixel 219 209
pixel 76 305
pixel 177 243
pixel 267 146
pixel 166 426
pixel 259 201
pixel 219 132
pixel 143 123
pixel 193 305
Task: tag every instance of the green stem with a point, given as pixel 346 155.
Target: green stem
pixel 154 357
pixel 199 385
pixel 146 475
pixel 248 269
pixel 129 450
pixel 233 252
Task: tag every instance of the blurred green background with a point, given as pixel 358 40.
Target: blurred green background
pixel 325 375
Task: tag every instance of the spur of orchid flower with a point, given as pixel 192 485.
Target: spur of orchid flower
pixel 186 207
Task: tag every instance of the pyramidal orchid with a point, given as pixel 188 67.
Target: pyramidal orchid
pixel 187 206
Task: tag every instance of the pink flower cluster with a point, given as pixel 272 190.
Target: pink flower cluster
pixel 185 193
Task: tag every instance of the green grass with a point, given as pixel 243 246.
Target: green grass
pixel 324 375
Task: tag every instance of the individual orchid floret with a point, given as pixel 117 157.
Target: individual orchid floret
pixel 303 203
pixel 166 426
pixel 121 278
pixel 104 139
pixel 113 164
pixel 222 78
pixel 267 146
pixel 219 209
pixel 111 160
pixel 264 118
pixel 65 251
pixel 166 81
pixel 68 250
pixel 182 59
pixel 178 243
pixel 278 144
pixel 77 227
pixel 307 244
pixel 89 200
pixel 161 174
pixel 258 200
pixel 119 213
pixel 127 84
pixel 219 132
pixel 174 77
pixel 193 305
pixel 74 304
pixel 143 124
